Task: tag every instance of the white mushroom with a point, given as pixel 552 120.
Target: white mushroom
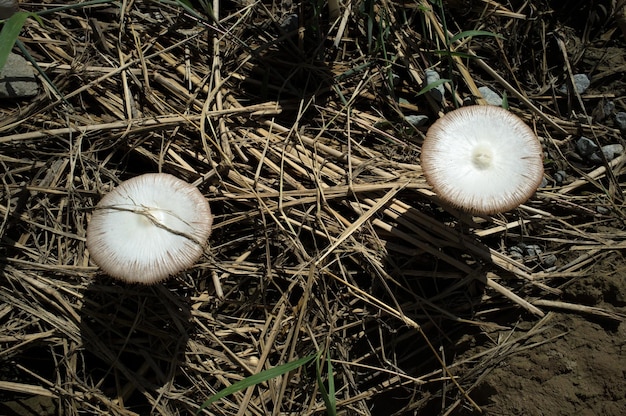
pixel 483 159
pixel 148 228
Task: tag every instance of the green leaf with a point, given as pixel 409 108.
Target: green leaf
pixel 187 5
pixel 505 101
pixel 255 379
pixel 472 33
pixel 433 85
pixel 9 33
pixel 459 54
pixel 331 387
pixel 73 6
pixel 328 395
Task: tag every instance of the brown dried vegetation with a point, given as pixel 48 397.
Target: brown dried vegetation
pixel 327 237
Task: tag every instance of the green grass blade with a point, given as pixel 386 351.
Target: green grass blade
pixel 433 85
pixel 9 33
pixel 459 54
pixel 255 379
pixel 188 7
pixel 30 59
pixel 331 403
pixel 79 5
pixel 328 395
pixel 473 33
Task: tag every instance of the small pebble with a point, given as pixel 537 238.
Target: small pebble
pixel 560 176
pixel 602 210
pixel 548 260
pixel 620 120
pixel 611 151
pixel 432 76
pixel 604 109
pixel 290 23
pixel 17 78
pixel 8 9
pixel 533 250
pixel 608 107
pixel 516 253
pixel 417 120
pixel 581 83
pixel 395 79
pixel 586 146
pixel 492 97
pixel 521 250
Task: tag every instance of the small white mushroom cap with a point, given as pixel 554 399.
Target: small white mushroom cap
pixel 483 159
pixel 148 228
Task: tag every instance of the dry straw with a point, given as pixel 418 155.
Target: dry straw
pixel 326 236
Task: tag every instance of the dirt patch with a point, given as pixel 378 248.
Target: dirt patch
pixel 606 285
pixel 581 372
pixel 573 365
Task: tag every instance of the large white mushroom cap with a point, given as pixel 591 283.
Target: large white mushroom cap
pixel 483 159
pixel 148 228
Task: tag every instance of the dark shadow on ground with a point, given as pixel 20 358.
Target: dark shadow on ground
pixel 134 339
pixel 437 267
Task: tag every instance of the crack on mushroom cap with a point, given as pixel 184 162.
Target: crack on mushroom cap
pixel 148 228
pixel 148 213
pixel 483 159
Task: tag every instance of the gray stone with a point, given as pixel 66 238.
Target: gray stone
pixel 395 79
pixel 611 151
pixel 17 78
pixel 519 249
pixel 548 260
pixel 290 23
pixel 533 250
pixel 560 176
pixel 417 120
pixel 620 120
pixel 585 146
pixel 8 8
pixel 581 83
pixel 437 93
pixel 516 253
pixel 492 97
pixel 604 109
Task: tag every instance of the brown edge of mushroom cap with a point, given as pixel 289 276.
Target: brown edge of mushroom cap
pixel 101 233
pixel 432 158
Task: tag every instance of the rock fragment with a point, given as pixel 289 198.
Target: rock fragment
pixel 17 78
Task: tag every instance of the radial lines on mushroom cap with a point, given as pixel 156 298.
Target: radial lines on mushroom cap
pixel 148 228
pixel 483 159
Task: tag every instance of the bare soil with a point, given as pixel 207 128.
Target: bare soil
pixel 578 369
pixel 573 364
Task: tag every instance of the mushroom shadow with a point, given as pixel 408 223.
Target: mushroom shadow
pixel 134 338
pixel 283 67
pixel 437 272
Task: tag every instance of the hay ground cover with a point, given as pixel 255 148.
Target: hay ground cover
pixel 296 121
